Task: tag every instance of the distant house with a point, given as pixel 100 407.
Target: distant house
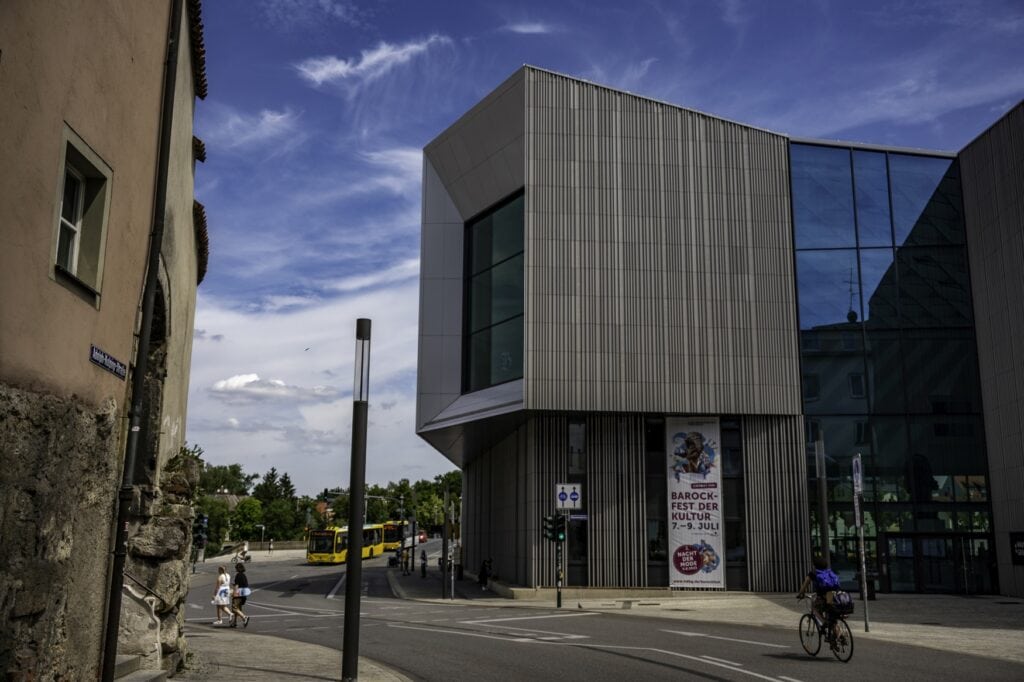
pixel 83 179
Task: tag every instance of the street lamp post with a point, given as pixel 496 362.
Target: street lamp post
pixel 262 529
pixel 357 479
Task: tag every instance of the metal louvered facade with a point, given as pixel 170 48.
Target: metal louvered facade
pixel 658 280
pixel 659 268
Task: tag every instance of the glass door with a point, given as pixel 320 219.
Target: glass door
pixel 900 559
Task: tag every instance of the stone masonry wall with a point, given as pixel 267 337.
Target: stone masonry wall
pixel 59 474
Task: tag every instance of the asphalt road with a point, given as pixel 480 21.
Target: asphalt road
pixel 462 640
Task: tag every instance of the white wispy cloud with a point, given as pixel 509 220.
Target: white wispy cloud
pixel 529 28
pixel 370 65
pixel 227 128
pixel 400 272
pixel 296 13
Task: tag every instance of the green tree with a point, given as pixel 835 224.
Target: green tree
pixel 286 487
pixel 340 508
pixel 452 480
pixel 214 478
pixel 216 510
pixel 279 517
pixel 247 515
pixel 269 489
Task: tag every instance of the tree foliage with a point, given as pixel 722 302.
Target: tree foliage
pixel 229 477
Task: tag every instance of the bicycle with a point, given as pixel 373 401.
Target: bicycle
pixel 244 557
pixel 834 631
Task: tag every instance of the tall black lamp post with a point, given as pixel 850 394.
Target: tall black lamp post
pixel 357 481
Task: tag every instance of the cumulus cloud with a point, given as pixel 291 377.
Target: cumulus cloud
pixel 370 65
pixel 249 387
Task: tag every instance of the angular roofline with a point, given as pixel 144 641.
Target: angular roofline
pixel 994 123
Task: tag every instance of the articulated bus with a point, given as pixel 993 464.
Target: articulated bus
pixel 394 534
pixel 330 545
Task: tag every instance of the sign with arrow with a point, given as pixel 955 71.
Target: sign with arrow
pixel 568 496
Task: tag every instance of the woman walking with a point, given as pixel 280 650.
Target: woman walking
pixel 241 593
pixel 222 595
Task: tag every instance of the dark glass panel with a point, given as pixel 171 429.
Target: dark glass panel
pixel 506 360
pixel 885 370
pixel 878 284
pixel 942 447
pixel 479 362
pixel 888 465
pixel 507 289
pixel 822 196
pixel 934 288
pixel 480 235
pixel 926 201
pixel 64 245
pixel 69 205
pixel 480 301
pixel 507 230
pixel 839 437
pixel 941 370
pixel 827 288
pixel 874 227
pixel 895 519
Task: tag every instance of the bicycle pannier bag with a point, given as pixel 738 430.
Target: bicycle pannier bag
pixel 842 602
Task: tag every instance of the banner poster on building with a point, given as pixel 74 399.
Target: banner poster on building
pixel 696 534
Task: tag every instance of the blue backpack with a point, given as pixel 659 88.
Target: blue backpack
pixel 825 580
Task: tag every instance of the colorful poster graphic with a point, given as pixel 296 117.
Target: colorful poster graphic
pixel 696 534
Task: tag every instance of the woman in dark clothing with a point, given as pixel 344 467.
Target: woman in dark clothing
pixel 241 593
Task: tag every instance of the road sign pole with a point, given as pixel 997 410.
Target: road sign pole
pixel 858 491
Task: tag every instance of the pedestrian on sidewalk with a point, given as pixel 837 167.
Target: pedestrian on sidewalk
pixel 222 595
pixel 270 550
pixel 423 564
pixel 241 594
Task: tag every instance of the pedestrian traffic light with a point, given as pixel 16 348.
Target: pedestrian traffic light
pixel 549 527
pixel 560 528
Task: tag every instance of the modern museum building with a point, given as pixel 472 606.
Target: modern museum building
pixel 667 325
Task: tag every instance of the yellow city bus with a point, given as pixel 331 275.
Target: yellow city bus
pixel 394 533
pixel 330 545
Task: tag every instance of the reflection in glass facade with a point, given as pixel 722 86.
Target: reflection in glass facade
pixel 494 297
pixel 889 362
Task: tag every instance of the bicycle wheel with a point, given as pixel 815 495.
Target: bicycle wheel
pixel 810 638
pixel 842 647
pixel 234 559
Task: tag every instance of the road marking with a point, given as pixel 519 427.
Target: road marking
pixel 727 639
pixel 341 580
pixel 789 679
pixel 502 620
pixel 459 632
pixel 722 660
pixel 697 659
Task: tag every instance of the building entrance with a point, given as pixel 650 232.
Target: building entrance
pixel 954 563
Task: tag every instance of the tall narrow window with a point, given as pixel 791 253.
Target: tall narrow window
pixel 80 230
pixel 70 220
pixel 494 296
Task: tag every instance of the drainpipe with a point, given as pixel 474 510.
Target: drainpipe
pixel 156 235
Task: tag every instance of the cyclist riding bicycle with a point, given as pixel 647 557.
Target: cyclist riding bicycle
pixel 824 582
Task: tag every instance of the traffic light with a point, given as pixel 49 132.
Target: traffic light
pixel 560 528
pixel 549 527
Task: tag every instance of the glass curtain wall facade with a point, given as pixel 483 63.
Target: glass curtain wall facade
pixel 494 296
pixel 889 364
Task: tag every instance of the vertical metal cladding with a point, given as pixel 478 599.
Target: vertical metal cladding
pixel 992 172
pixel 775 481
pixel 659 258
pixel 510 488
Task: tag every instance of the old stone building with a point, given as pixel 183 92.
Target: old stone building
pixel 96 151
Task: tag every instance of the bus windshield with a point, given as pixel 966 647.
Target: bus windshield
pixel 321 541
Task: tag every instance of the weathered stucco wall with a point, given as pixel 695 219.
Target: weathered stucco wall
pixel 58 473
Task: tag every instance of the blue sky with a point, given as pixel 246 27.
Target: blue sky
pixel 318 111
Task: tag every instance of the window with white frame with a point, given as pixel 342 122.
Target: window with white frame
pixel 81 217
